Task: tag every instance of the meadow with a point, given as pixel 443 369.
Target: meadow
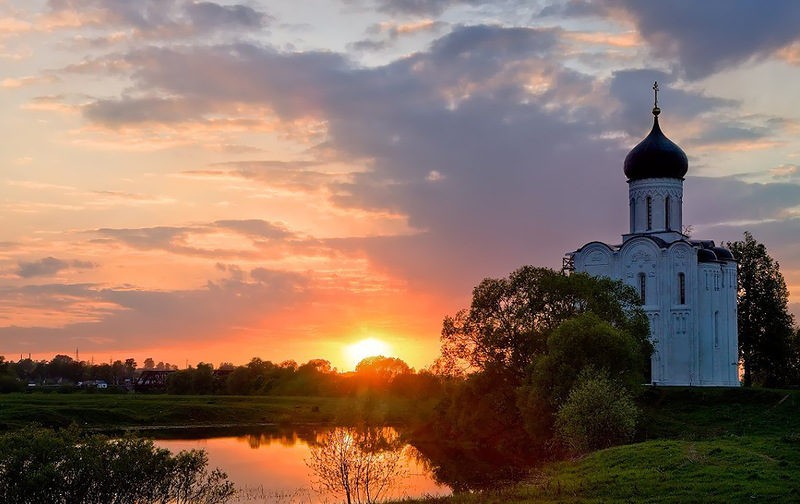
pixel 696 445
pixel 112 411
pixel 693 445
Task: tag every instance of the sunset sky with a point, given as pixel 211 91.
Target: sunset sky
pixel 212 181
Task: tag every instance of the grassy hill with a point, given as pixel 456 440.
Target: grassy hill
pixel 696 445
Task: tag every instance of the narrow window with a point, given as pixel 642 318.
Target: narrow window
pixel 666 212
pixel 649 213
pixel 682 288
pixel 716 329
pixel 643 287
pixel 633 215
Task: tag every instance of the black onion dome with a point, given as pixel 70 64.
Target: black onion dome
pixel 656 157
pixel 706 255
pixel 723 254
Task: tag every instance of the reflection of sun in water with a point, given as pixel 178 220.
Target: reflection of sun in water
pixel 370 347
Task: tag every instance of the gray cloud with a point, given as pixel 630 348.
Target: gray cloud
pixel 713 200
pixel 209 16
pixel 141 110
pixel 633 93
pixel 163 19
pixel 384 35
pixel 698 38
pixel 176 240
pixel 160 237
pixel 257 228
pixel 49 266
pixel 482 167
pixel 140 318
pixel 705 37
pixel 416 7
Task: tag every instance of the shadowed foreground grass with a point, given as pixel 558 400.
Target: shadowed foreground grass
pixel 698 445
pixel 670 471
pixel 134 410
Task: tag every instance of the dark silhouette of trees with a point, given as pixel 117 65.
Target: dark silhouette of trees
pixel 523 342
pixel 317 377
pixel 509 319
pixel 766 344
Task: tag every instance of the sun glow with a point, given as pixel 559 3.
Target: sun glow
pixel 370 347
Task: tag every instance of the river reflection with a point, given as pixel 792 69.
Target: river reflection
pixel 271 464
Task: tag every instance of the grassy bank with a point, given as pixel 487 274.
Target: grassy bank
pixel 697 445
pixel 132 410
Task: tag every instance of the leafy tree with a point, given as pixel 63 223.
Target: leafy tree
pixel 384 367
pixel 117 372
pixel 322 366
pixel 765 324
pixel 509 320
pixel 584 342
pixel 130 368
pixel 526 339
pixel 203 379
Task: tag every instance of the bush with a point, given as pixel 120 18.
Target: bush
pixel 10 384
pixel 43 466
pixel 598 413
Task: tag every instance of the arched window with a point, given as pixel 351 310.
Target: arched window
pixel 681 288
pixel 666 212
pixel 643 287
pixel 633 215
pixel 649 213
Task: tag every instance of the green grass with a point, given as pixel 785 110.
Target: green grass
pixel 698 445
pixel 133 410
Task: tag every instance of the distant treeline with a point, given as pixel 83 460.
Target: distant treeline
pixel 258 377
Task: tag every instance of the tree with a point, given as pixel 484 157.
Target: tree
pixel 509 320
pixel 582 344
pixel 586 341
pixel 765 324
pixel 382 367
pixel 359 464
pixel 130 368
pixel 525 339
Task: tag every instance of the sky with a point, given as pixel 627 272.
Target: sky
pixel 217 180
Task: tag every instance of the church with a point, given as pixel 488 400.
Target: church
pixel 688 287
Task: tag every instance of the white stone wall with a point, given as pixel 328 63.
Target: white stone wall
pixel 695 341
pixel 658 190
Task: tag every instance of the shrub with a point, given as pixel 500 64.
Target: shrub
pixel 43 466
pixel 598 413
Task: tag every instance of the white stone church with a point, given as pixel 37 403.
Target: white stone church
pixel 688 287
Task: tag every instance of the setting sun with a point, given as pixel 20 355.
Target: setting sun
pixel 362 349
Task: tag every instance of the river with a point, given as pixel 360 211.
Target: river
pixel 271 464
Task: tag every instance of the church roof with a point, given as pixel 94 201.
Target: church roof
pixel 656 156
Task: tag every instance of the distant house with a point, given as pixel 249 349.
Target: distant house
pixel 99 384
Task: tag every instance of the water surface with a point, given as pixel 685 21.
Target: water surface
pixel 270 464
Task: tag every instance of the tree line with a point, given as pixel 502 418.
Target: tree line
pixel 317 377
